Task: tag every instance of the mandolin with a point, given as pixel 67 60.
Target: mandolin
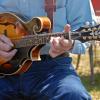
pixel 28 36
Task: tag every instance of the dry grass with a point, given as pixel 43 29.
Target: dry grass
pixel 84 72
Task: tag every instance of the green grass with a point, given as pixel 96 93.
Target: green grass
pixel 84 73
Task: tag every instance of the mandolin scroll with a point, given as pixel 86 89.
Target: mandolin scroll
pixel 41 24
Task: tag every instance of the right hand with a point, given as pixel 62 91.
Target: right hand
pixel 6 51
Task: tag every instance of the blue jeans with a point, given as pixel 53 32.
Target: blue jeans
pixel 49 79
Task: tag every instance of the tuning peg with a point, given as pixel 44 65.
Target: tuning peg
pixel 87 24
pixel 94 29
pixel 93 23
pixel 85 27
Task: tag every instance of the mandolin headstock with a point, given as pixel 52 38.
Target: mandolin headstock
pixel 89 33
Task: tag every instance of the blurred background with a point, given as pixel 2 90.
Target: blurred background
pixel 88 65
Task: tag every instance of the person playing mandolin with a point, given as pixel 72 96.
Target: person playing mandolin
pixel 33 71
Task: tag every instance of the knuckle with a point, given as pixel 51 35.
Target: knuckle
pixel 7 48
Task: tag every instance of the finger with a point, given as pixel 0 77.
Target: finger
pixel 66 44
pixel 52 49
pixel 4 46
pixel 63 41
pixel 7 55
pixel 51 39
pixel 6 40
pixel 56 42
pixel 67 28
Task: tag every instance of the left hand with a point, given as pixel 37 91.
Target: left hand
pixel 60 45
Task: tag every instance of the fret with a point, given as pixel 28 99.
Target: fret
pixel 39 39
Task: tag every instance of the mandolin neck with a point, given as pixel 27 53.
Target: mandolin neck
pixel 43 38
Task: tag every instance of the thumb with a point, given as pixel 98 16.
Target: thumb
pixel 67 28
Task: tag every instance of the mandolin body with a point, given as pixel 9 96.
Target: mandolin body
pixel 16 27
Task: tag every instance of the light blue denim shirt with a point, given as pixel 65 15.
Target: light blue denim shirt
pixel 74 12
